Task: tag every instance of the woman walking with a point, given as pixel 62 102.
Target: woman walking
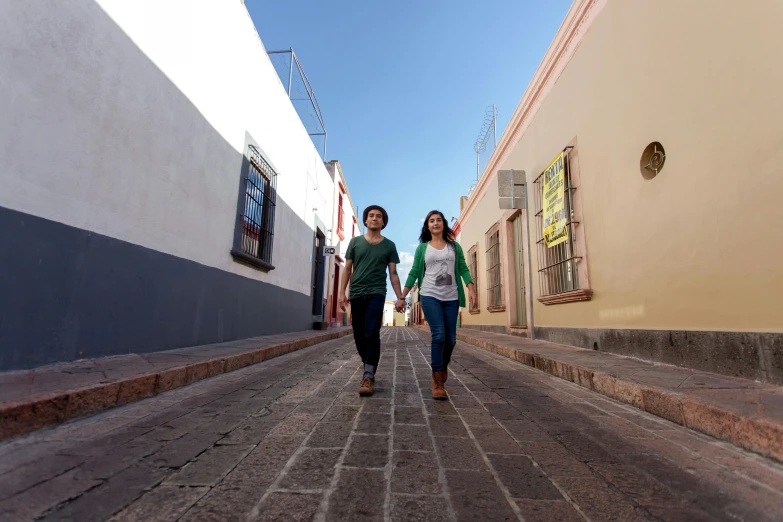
pixel 439 268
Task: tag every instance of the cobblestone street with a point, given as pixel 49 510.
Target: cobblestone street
pixel 290 439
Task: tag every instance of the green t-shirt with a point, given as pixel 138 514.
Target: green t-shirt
pixel 369 265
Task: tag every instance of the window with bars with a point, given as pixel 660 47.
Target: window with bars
pixel 256 220
pixel 494 281
pixel 473 267
pixel 558 265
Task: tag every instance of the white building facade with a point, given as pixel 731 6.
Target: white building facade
pixel 157 187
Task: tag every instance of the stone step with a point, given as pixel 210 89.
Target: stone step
pixel 36 398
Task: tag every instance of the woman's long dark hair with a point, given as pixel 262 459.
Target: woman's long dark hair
pixel 426 235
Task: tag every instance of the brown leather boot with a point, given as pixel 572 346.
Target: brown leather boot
pixel 445 375
pixel 438 390
pixel 366 387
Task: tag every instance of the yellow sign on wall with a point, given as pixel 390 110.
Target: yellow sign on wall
pixel 555 219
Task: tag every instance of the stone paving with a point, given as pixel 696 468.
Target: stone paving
pixel 746 413
pixel 290 439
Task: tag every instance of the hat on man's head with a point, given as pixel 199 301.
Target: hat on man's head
pixel 382 211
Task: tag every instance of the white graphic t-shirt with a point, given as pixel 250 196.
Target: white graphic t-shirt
pixel 440 281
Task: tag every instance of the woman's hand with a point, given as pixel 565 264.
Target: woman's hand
pixel 473 299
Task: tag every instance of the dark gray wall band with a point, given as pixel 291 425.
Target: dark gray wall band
pixel 494 328
pixel 67 293
pixel 749 355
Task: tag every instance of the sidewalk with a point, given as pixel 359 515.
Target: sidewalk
pixel 47 395
pixel 745 413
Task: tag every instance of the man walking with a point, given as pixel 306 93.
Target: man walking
pixel 366 261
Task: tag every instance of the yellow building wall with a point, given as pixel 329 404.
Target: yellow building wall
pixel 699 246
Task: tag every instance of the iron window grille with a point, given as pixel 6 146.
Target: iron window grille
pixel 258 213
pixel 473 268
pixel 557 273
pixel 494 284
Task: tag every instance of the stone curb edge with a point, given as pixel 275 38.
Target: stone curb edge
pixel 28 415
pixel 750 433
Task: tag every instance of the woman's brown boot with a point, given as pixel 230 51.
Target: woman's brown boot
pixel 438 390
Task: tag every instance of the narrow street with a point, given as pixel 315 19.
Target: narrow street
pixel 290 439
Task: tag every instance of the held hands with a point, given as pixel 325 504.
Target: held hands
pixel 400 305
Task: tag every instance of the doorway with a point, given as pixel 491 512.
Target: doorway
pixel 317 290
pixel 336 295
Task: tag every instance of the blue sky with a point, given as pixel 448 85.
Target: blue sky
pixel 403 87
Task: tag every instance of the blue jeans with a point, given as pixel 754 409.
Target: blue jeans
pixel 367 314
pixel 442 318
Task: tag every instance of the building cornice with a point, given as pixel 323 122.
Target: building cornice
pixel 576 23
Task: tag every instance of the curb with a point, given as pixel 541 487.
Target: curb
pixel 750 433
pixel 27 415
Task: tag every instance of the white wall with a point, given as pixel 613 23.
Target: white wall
pixel 93 138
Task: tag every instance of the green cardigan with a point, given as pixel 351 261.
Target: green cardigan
pixel 461 270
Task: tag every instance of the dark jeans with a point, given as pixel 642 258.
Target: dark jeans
pixel 442 319
pixel 367 312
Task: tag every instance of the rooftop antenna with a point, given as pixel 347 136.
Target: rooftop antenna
pixel 487 134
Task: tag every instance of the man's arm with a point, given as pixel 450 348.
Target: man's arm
pixel 347 273
pixel 395 281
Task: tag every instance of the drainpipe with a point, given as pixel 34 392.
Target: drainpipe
pixel 529 261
